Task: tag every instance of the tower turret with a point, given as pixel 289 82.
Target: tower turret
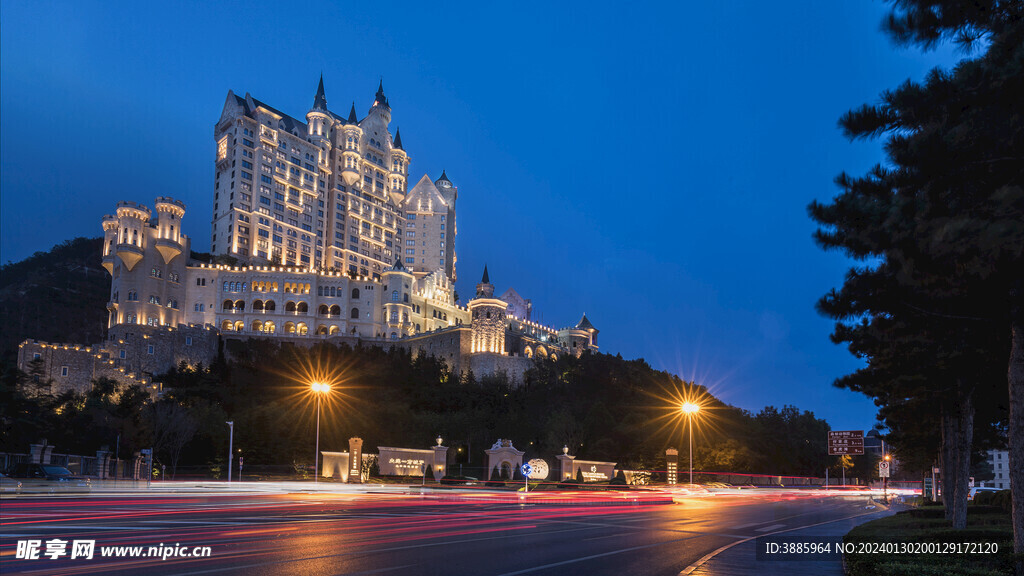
pixel 349 141
pixel 169 238
pixel 487 319
pixel 132 220
pixel 398 282
pixel 110 225
pixel 399 169
pixel 318 125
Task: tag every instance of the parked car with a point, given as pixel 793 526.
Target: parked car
pixel 48 478
pixel 8 484
pixel 974 491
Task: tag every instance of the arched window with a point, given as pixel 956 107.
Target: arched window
pixel 257 305
pixel 394 336
pixel 323 310
pixel 226 326
pixel 335 310
pixel 405 297
pixel 355 293
pixel 289 328
pixel 334 291
pixel 239 305
pixel 319 290
pixel 302 328
pixel 239 326
pixel 394 317
pixel 269 306
pixel 394 295
pixel 335 330
pixel 269 328
pixel 225 286
pixel 257 326
pixel 228 305
pixel 302 308
pixel 289 307
pixel 355 313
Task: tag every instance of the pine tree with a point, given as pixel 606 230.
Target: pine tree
pixel 940 232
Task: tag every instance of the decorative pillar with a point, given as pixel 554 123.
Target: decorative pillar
pixel 355 460
pixel 672 462
pixel 35 453
pixel 440 463
pixel 102 463
pixel 565 470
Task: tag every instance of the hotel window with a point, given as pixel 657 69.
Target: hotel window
pixel 149 349
pixel 63 370
pixel 122 354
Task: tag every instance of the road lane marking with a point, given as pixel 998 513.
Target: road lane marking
pixel 689 569
pixel 742 526
pixel 769 528
pixel 591 557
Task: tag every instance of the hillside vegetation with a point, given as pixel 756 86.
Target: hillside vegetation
pixel 55 296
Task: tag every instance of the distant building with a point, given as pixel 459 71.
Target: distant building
pixel 1000 462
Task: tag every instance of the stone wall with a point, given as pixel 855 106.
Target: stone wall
pixel 487 364
pixel 73 367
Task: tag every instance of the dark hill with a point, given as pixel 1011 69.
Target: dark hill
pixel 56 296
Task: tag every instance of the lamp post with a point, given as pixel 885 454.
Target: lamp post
pixel 885 479
pixel 319 389
pixel 231 447
pixel 690 409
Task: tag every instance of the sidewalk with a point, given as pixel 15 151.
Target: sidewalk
pixel 741 559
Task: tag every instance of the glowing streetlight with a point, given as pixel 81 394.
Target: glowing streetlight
pixel 689 408
pixel 319 389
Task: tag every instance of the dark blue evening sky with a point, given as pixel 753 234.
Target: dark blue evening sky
pixel 648 164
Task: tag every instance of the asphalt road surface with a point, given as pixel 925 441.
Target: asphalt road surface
pixel 367 533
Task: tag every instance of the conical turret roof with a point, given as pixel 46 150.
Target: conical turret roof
pixel 585 324
pixel 320 100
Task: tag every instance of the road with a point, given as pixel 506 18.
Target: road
pixel 394 533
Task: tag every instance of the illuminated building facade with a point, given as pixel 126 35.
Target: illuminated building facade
pixel 328 242
pixel 330 193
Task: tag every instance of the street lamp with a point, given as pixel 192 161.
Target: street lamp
pixel 885 479
pixel 231 447
pixel 319 389
pixel 689 408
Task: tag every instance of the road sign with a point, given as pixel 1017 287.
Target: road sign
pixel 883 469
pixel 527 469
pixel 846 442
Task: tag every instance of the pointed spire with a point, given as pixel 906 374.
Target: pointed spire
pixel 380 99
pixel 320 100
pixel 487 278
pixel 352 114
pixel 398 138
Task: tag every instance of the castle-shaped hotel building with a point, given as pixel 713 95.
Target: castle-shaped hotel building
pixel 316 236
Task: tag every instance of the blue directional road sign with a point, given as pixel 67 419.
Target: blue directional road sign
pixel 527 469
